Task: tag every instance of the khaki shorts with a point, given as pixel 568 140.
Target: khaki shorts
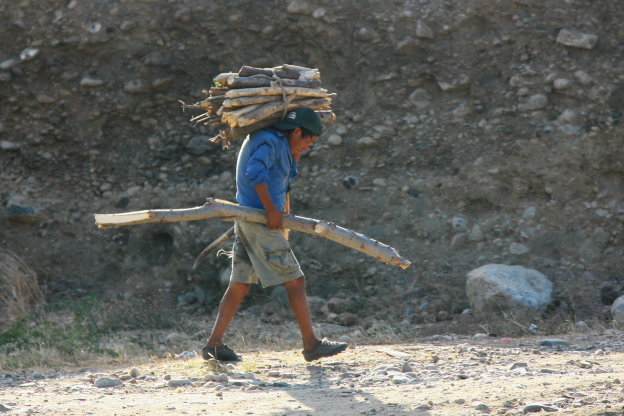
pixel 262 254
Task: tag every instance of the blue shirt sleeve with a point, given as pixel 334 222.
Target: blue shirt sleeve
pixel 259 164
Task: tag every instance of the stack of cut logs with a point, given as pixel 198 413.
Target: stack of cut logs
pixel 255 98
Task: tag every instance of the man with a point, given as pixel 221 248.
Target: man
pixel 266 163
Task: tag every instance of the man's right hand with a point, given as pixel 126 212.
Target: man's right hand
pixel 275 219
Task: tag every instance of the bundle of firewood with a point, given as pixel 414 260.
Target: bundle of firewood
pixel 254 98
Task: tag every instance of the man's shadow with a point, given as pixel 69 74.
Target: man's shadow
pixel 331 393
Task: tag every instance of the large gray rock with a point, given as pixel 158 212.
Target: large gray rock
pixel 497 287
pixel 617 311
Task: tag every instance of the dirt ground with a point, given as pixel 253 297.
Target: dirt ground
pixel 439 375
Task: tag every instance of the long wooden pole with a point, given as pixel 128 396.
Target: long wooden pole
pixel 228 211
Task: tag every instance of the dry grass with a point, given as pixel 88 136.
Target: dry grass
pixel 20 291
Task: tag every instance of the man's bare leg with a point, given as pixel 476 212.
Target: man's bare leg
pixel 227 309
pixel 299 304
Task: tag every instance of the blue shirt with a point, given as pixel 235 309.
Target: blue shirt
pixel 264 158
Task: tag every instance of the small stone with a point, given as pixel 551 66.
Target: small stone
pixel 8 64
pixel 475 234
pixel 105 382
pixel 28 54
pixel 406 367
pixel 537 407
pixel 334 140
pixel 136 86
pixel 179 383
pixel 459 241
pixel 583 77
pixel 22 214
pixel 350 182
pixel 482 407
pixel 518 249
pixel 299 7
pixel 529 212
pixel 533 102
pixel 518 365
pixel 423 31
pixel 45 99
pixel 221 378
pixel 459 223
pixel 423 406
pixel 88 82
pixel 379 182
pixel 562 84
pixel 134 372
pixel 366 142
pixel 400 379
pixel 133 190
pixel 554 342
pixel 456 83
pixel 5 408
pixel 6 145
pixel 577 39
pixel 585 364
pixel 198 145
pixel 185 355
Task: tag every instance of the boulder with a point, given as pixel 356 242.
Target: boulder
pixel 617 311
pixel 497 287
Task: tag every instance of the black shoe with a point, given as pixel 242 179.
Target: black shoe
pixel 324 348
pixel 221 353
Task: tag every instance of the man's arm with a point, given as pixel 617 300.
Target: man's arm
pixel 275 217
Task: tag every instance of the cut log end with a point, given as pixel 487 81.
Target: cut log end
pixel 404 264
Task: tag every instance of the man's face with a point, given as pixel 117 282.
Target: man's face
pixel 298 143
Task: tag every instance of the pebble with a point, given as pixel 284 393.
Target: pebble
pixel 482 407
pixel 179 383
pixel 136 87
pixel 423 31
pixel 5 408
pixel 88 82
pixel 366 142
pixel 577 39
pixel 537 407
pixel 29 53
pixel 533 102
pixel 406 367
pixel 518 249
pixel 105 382
pixel 518 365
pixel 554 342
pixel 7 145
pixel 185 355
pixel 334 140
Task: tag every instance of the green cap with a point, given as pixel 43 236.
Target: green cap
pixel 301 117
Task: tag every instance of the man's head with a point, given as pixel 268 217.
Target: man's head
pixel 302 117
pixel 302 126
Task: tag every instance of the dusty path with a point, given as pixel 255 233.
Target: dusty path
pixel 441 375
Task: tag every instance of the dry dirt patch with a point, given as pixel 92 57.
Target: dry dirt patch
pixel 441 375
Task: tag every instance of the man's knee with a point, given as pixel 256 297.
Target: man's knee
pixel 295 283
pixel 238 287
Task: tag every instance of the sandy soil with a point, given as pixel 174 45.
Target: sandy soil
pixel 440 375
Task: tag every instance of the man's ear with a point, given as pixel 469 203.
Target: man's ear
pixel 298 133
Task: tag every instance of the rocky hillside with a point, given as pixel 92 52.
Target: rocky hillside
pixel 468 133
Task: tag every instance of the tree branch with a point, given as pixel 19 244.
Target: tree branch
pixel 228 211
